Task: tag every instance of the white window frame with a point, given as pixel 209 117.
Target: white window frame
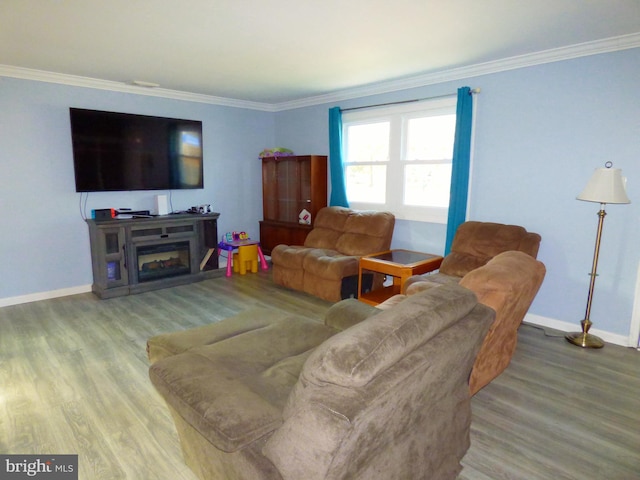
pixel 398 116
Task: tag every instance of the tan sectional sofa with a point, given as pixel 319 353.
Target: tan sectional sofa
pixel 326 266
pixel 265 395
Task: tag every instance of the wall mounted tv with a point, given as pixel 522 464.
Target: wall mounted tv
pixel 119 151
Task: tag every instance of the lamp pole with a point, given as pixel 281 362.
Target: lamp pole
pixel 584 338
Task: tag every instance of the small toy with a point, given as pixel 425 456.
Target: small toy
pixel 304 217
pixel 276 152
pixel 234 236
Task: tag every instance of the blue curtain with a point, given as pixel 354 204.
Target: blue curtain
pixel 460 165
pixel 338 187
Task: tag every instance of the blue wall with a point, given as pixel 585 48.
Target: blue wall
pixel 539 134
pixel 44 244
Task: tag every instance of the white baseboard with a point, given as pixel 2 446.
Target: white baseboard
pixel 609 337
pixel 634 330
pixel 34 297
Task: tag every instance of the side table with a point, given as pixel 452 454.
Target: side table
pixel 230 246
pixel 399 264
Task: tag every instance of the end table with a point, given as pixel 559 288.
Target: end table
pixel 399 264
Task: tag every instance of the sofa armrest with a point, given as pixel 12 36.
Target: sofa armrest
pixel 418 283
pixel 347 313
pixel 419 286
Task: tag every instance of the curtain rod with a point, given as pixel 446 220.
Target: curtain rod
pixel 473 91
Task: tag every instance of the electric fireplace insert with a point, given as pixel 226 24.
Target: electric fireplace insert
pixel 163 260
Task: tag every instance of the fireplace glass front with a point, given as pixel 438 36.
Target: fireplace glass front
pixel 163 261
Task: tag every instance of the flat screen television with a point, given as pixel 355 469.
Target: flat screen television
pixel 120 151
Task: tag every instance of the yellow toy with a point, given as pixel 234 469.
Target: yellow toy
pixel 246 259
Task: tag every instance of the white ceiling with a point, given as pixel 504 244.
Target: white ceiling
pixel 275 51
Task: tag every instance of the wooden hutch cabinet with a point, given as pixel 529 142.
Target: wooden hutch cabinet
pixel 289 185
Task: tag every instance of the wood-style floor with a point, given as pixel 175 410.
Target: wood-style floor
pixel 73 380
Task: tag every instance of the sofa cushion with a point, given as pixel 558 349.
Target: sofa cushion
pixel 169 344
pixel 417 283
pixel 289 256
pixel 354 356
pixel 458 264
pixel 475 243
pixel 233 391
pixel 366 232
pixel 330 264
pixel 347 313
pixel 322 238
pixel 327 227
pixel 334 218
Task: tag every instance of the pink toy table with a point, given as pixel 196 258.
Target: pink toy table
pixel 230 246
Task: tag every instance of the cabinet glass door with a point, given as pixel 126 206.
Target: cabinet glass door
pixel 288 190
pixel 269 186
pixel 114 267
pixel 304 195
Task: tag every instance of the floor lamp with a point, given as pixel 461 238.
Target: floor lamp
pixel 605 186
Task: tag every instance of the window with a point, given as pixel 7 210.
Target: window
pixel 398 158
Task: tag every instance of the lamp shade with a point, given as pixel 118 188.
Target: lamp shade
pixel 606 185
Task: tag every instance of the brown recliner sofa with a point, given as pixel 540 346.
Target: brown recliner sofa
pixel 326 266
pixel 474 244
pixel 265 395
pixel 508 284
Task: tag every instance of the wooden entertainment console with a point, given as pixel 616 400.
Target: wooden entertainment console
pixel 134 255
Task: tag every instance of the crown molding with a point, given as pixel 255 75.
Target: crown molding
pixel 87 82
pixel 607 45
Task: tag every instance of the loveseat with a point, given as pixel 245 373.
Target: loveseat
pixel 368 394
pixel 326 266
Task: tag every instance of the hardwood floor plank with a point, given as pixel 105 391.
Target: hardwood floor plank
pixel 99 461
pixel 555 413
pixel 74 379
